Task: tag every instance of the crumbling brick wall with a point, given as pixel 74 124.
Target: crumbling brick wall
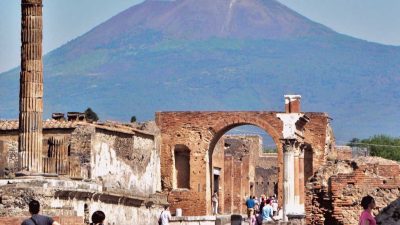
pixel 335 192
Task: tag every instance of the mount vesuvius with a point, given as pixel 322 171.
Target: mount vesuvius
pixel 219 55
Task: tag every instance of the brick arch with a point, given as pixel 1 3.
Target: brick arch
pixel 224 126
pixel 275 132
pixel 199 130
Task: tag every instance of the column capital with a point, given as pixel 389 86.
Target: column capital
pixel 293 124
pixel 293 145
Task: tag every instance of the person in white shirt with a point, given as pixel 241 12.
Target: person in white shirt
pixel 274 204
pixel 165 216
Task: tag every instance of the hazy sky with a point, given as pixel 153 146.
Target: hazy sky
pixel 373 20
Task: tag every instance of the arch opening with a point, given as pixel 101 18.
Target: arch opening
pixel 243 162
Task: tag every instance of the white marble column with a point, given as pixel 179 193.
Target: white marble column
pixel 293 180
pixel 288 181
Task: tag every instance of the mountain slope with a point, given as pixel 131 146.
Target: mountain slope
pixel 220 55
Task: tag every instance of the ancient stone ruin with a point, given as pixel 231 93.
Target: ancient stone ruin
pixel 86 167
pixel 335 191
pixel 303 140
pixel 130 171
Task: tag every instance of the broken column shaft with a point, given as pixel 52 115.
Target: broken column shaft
pixel 31 88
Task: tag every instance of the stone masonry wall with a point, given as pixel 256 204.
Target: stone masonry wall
pixel 267 171
pixel 9 165
pixel 81 146
pixel 125 161
pixel 335 192
pixel 319 135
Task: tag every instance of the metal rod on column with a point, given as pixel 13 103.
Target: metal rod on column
pixel 301 179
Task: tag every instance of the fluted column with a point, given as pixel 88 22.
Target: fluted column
pixel 31 88
pixel 293 182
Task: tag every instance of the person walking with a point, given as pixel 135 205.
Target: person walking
pixel 36 218
pixel 252 219
pixel 165 216
pixel 98 218
pixel 214 200
pixel 366 217
pixel 250 206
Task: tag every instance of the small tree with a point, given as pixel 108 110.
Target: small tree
pixel 133 119
pixel 91 115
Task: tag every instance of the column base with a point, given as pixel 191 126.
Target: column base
pixel 34 174
pixel 296 219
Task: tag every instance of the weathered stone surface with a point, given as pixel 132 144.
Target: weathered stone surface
pixel 335 192
pixel 125 162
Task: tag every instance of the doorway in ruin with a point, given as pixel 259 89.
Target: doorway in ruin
pixel 247 160
pixel 217 173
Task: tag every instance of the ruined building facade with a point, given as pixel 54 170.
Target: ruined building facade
pixel 303 140
pixel 87 167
